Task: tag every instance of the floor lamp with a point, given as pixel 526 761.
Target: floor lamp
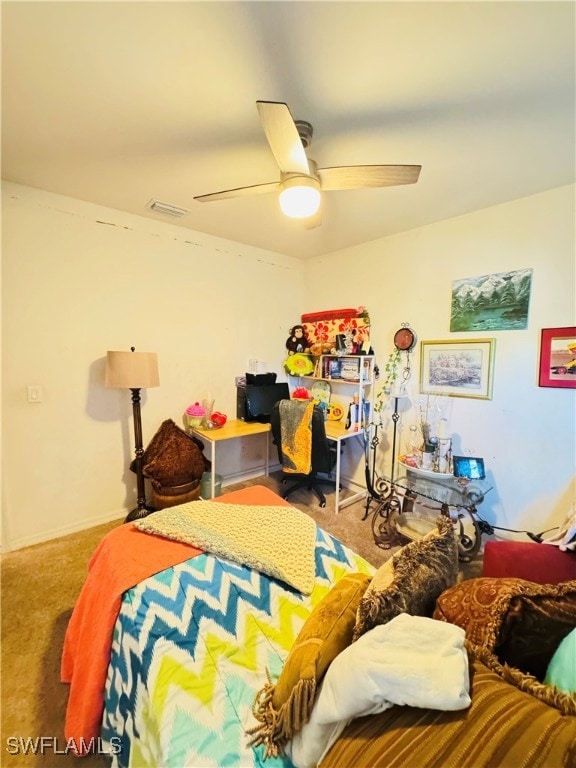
pixel 134 371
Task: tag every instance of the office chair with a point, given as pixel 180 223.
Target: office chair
pixel 323 455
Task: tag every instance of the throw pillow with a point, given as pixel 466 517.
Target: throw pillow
pixel 411 661
pixel 421 570
pixel 561 672
pixel 504 726
pixel 521 621
pixel 282 709
pixel 173 457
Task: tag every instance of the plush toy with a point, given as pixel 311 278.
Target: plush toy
pixel 320 348
pixel 297 341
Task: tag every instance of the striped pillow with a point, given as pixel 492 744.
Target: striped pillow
pixel 504 727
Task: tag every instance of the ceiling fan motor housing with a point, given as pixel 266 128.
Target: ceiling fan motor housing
pixel 305 131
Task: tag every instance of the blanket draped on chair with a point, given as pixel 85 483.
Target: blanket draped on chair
pixel 296 435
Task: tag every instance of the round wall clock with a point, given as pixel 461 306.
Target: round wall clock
pixel 404 339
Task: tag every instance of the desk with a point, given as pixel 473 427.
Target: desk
pixel 232 430
pixel 336 432
pixel 236 428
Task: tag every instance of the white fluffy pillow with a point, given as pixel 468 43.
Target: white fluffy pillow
pixel 411 660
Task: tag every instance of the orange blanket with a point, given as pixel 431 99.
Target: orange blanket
pixel 124 557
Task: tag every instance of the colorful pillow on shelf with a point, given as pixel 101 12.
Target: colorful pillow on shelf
pixel 412 580
pixel 283 708
pixel 299 364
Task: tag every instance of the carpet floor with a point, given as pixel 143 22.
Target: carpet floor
pixel 39 586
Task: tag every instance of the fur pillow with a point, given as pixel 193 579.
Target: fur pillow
pixel 173 457
pixel 282 709
pixel 412 580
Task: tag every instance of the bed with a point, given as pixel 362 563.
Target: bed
pixel 190 649
pixel 170 645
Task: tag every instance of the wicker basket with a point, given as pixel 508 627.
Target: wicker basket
pixel 163 496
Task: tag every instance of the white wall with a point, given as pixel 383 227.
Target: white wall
pixel 79 279
pixel 525 432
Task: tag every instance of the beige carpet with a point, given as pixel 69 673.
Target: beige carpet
pixel 39 587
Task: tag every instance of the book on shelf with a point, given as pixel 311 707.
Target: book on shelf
pixel 350 369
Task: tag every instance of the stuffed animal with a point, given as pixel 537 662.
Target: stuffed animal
pixel 297 341
pixel 320 348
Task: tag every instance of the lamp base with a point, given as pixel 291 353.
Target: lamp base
pixel 138 513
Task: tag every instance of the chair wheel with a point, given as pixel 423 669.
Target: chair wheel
pixel 322 504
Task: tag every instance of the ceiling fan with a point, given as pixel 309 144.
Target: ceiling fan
pixel 301 181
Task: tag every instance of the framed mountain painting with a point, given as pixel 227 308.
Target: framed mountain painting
pixel 496 302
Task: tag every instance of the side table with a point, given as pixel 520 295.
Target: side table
pixel 451 496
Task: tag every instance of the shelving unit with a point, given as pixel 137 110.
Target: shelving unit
pixel 351 378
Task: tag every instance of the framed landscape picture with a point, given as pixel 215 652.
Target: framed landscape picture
pixel 558 357
pixel 461 368
pixel 495 302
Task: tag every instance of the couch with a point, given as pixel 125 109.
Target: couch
pixel 513 626
pixel 542 563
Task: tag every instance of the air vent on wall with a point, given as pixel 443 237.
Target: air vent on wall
pixel 167 209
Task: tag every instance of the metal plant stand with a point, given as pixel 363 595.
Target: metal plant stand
pixel 383 492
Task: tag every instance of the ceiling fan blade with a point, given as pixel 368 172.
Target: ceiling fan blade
pixel 255 189
pixel 365 176
pixel 283 137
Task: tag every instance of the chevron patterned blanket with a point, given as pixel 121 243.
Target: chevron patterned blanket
pixel 191 646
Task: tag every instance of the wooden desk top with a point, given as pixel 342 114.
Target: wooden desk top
pixel 336 430
pixel 233 428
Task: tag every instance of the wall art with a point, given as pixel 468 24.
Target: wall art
pixel 558 357
pixel 497 302
pixel 461 368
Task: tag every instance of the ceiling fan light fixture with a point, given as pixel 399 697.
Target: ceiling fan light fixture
pixel 299 197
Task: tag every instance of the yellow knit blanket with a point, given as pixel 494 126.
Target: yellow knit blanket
pixel 279 541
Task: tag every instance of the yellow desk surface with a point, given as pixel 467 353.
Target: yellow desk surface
pixel 233 428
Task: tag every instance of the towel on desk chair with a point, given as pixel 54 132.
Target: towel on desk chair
pixel 296 435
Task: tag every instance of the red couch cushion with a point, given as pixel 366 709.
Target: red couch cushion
pixel 541 563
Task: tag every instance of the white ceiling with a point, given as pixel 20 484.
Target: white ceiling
pixel 120 102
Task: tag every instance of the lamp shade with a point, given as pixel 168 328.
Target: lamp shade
pixel 131 370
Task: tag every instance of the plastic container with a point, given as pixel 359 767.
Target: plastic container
pixel 195 414
pixel 206 485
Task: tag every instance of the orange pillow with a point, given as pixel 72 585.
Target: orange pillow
pixel 282 709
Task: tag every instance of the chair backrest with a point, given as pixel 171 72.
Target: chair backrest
pixel 323 455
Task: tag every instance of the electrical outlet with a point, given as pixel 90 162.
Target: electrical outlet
pixel 35 393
